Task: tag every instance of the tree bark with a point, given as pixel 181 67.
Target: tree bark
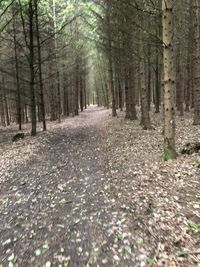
pixel 196 7
pixel 19 115
pixel 169 81
pixel 31 65
pixel 42 106
pixel 110 60
pixel 145 118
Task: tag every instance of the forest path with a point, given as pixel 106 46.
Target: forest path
pixel 53 209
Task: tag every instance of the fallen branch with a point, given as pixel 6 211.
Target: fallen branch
pixel 187 253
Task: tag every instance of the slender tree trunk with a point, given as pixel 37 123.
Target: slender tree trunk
pixel 179 83
pixel 196 7
pixel 145 118
pixel 5 101
pixel 76 91
pixel 157 85
pixel 59 112
pixel 149 78
pixel 133 113
pixel 85 93
pixel 59 98
pixel 66 101
pixel 119 78
pixel 2 112
pixel 111 81
pixel 81 94
pixel 42 106
pixel 120 93
pixel 19 115
pixel 169 81
pixel 110 60
pixel 65 92
pixel 188 82
pixel 31 65
pixel 127 94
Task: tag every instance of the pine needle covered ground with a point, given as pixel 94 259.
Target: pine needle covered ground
pixel 94 191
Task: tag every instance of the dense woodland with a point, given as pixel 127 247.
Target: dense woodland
pixel 57 57
pixel 99 133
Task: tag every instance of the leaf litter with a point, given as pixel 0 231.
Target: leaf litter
pixel 159 198
pixel 93 191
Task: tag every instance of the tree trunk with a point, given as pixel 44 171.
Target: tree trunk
pixel 149 78
pixel 145 118
pixel 110 60
pixel 133 113
pixel 2 112
pixel 31 65
pixel 19 115
pixel 5 101
pixel 81 94
pixel 76 91
pixel 157 84
pixel 57 67
pixel 42 106
pixel 169 81
pixel 197 64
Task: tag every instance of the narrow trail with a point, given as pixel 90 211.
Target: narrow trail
pixel 53 209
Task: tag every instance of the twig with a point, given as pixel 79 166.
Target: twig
pixel 186 253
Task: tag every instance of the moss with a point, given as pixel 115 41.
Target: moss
pixel 169 153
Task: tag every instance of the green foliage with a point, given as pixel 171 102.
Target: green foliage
pixel 4 4
pixel 195 227
pixel 196 161
pixel 151 261
pixel 169 153
pixel 128 249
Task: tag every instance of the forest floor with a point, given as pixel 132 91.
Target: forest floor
pixel 94 191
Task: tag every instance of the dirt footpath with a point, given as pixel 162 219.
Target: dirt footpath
pixel 53 209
